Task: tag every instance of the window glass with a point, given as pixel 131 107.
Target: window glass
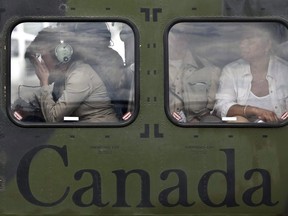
pixel 227 73
pixel 14 48
pixel 72 73
pixel 34 28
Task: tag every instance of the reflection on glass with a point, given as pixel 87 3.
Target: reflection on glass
pixel 192 78
pixel 71 71
pixel 252 85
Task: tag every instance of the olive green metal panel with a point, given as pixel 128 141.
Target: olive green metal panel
pixel 150 166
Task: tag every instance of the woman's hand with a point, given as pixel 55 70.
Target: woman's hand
pixel 266 115
pixel 251 111
pixel 41 70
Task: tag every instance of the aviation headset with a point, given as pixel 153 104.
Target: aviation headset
pixel 63 52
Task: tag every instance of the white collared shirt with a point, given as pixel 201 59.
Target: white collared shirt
pixel 235 85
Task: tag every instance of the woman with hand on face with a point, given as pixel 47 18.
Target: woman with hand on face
pixel 254 88
pixel 78 90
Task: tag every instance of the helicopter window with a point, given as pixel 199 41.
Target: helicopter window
pixel 14 48
pixel 227 73
pixel 73 73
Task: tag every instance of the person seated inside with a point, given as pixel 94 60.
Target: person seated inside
pixel 254 88
pixel 193 80
pixel 78 91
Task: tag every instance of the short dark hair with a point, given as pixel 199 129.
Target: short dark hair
pixel 47 39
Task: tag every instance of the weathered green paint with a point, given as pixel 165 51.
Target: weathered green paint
pixel 195 151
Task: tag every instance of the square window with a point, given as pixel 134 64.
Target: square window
pixel 227 73
pixel 72 73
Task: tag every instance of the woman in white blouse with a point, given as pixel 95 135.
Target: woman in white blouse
pixel 254 87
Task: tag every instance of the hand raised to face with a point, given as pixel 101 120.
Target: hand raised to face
pixel 41 69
